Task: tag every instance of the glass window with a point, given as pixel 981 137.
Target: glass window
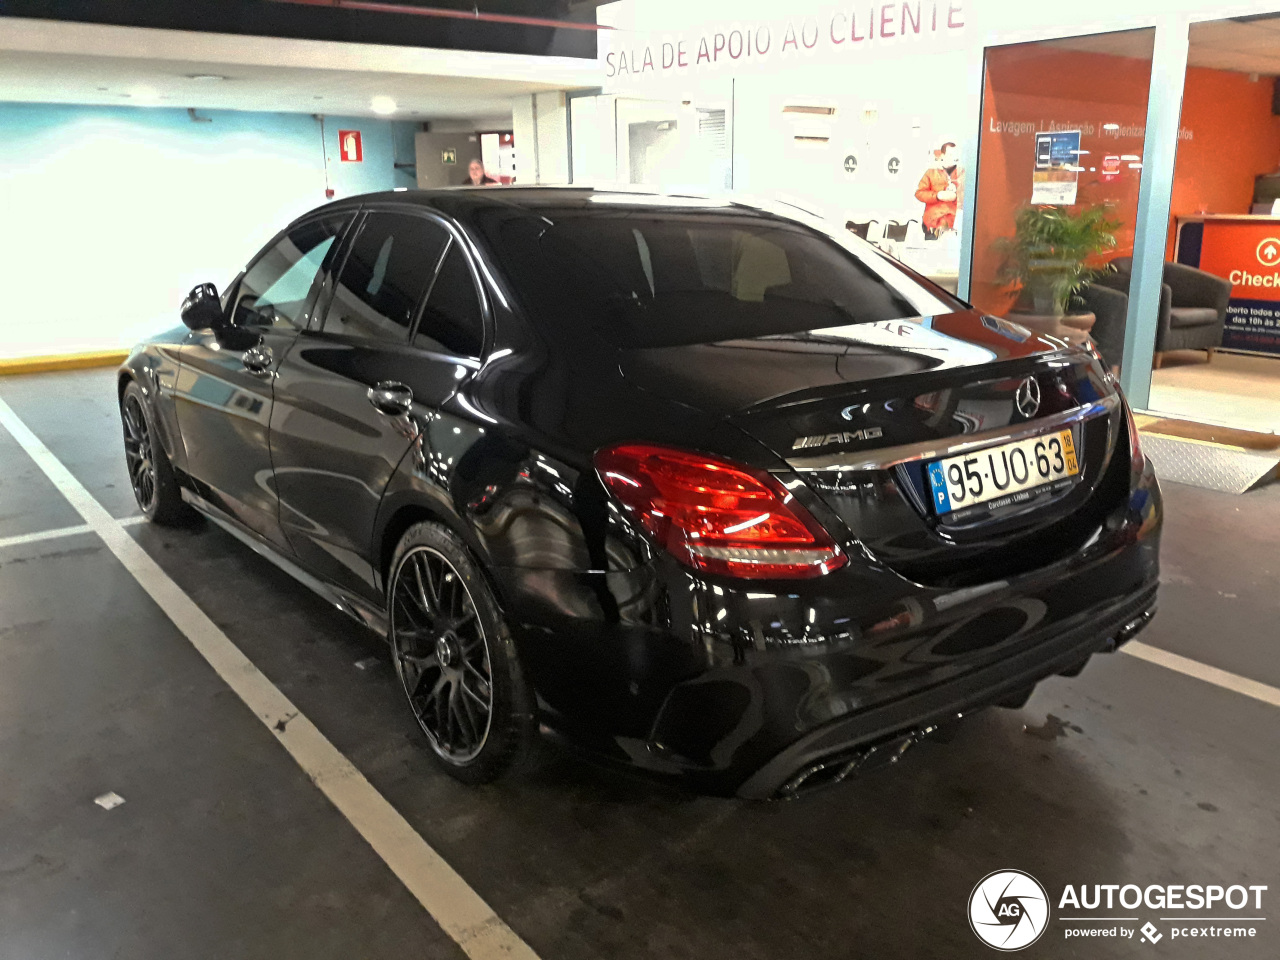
pixel 276 290
pixel 1060 162
pixel 385 276
pixel 643 279
pixel 452 321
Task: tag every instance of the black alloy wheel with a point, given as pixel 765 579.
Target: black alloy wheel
pixel 442 656
pixel 454 657
pixel 137 453
pixel 150 474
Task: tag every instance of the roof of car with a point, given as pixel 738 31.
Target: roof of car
pixel 459 201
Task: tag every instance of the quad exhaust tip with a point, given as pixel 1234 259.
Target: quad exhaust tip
pixel 835 769
pixel 840 767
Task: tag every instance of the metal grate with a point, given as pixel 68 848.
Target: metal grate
pixel 1209 465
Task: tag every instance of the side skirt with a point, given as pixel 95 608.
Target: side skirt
pixel 355 607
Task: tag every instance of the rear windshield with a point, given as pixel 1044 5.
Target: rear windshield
pixel 649 279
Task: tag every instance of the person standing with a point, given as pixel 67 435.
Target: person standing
pixel 476 177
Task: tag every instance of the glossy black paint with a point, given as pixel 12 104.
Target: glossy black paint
pixel 733 685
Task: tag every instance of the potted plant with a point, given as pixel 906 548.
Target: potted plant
pixel 1047 256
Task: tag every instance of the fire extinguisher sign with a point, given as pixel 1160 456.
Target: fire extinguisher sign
pixel 349 146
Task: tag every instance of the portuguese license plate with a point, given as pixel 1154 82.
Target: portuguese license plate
pixel 998 476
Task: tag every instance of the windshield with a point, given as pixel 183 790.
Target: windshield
pixel 643 278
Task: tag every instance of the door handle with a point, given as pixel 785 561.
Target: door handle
pixel 257 360
pixel 391 397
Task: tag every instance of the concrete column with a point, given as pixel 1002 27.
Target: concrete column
pixel 1164 114
pixel 541 127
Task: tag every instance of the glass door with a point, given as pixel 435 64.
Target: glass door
pixel 1059 163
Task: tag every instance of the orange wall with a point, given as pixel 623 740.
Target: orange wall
pixel 1235 138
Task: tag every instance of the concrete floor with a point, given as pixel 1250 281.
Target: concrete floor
pixel 1130 773
pixel 1239 390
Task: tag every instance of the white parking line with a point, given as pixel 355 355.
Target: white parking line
pixel 21 538
pixel 458 909
pixel 1202 671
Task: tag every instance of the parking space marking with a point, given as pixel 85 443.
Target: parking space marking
pixel 21 538
pixel 456 908
pixel 1202 671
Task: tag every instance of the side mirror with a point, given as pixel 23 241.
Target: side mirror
pixel 202 309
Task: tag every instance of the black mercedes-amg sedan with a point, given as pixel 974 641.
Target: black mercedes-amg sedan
pixel 698 485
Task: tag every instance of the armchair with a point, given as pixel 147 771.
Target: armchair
pixel 1193 306
pixel 861 229
pixel 1110 307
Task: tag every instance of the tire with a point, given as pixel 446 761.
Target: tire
pixel 455 658
pixel 150 474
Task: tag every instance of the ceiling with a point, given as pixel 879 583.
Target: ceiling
pixel 1246 45
pixel 1249 46
pixel 43 61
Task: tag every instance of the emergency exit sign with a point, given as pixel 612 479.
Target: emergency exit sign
pixel 349 147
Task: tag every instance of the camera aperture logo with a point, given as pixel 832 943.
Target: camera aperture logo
pixel 1008 910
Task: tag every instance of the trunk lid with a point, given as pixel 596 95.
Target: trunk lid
pixel 859 411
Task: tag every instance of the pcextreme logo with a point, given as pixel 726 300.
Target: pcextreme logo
pixel 1009 910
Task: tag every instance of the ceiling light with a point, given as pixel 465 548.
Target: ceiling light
pixel 206 77
pixel 144 94
pixel 819 111
pixel 382 105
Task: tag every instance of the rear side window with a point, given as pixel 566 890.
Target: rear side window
pixel 642 279
pixel 452 321
pixel 276 291
pixel 385 276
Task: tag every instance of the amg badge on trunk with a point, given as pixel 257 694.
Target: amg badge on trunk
pixel 825 439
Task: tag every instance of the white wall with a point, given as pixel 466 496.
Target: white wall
pixel 112 214
pixel 595 147
pixel 879 113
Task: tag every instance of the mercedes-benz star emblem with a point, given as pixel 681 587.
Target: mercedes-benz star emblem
pixel 1028 397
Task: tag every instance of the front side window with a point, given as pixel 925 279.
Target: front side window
pixel 276 291
pixel 385 276
pixel 452 321
pixel 645 280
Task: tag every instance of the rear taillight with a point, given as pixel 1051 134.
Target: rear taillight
pixel 717 516
pixel 1137 461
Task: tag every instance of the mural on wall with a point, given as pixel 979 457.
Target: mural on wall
pixel 941 190
pixel 887 169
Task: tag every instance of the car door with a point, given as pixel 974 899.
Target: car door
pixel 354 393
pixel 225 385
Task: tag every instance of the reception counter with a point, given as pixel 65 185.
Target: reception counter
pixel 1245 250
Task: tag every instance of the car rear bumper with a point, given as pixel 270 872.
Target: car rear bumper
pixel 845 746
pixel 755 689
